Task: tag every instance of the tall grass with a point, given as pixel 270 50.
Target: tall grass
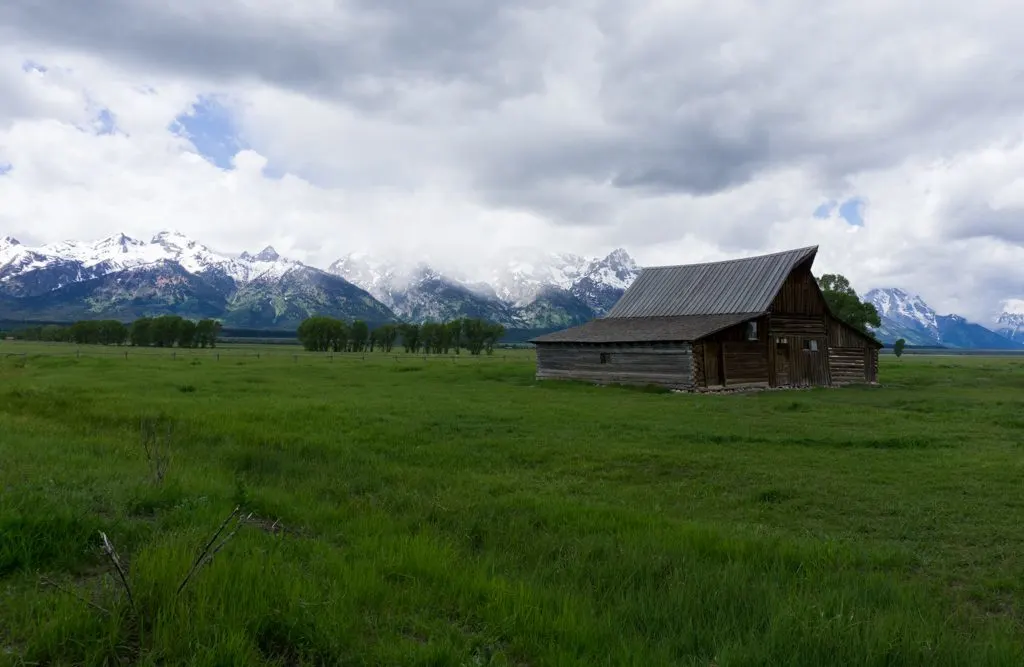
pixel 463 514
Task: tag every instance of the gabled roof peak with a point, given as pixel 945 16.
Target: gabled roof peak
pixel 743 285
pixel 809 250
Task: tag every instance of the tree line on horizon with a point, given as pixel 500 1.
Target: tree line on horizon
pixel 162 331
pixel 328 334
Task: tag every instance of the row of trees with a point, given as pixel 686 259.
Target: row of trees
pixel 327 334
pixel 163 331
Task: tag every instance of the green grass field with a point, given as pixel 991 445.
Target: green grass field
pixel 440 512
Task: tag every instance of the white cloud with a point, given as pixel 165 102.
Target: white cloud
pixel 454 131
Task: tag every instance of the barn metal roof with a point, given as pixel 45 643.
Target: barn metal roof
pixel 645 329
pixel 747 285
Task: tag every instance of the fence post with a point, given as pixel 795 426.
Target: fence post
pixel 218 356
pixel 174 355
pixel 295 357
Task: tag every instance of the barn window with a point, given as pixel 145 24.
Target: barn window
pixel 751 330
pixel 811 345
pixel 605 357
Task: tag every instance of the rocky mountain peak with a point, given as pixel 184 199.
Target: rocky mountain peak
pixel 268 254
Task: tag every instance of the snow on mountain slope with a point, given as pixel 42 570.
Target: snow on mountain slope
pixel 78 260
pixel 572 288
pixel 907 316
pixel 907 309
pixel 525 275
pixel 1010 323
pixel 379 278
pixel 604 281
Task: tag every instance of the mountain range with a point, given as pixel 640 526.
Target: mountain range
pixel 125 278
pixel 907 316
pixel 121 277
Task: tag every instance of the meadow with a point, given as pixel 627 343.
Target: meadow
pixel 411 511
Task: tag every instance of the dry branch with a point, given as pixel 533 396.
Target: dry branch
pixel 108 549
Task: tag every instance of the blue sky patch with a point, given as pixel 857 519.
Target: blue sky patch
pixel 105 122
pixel 212 130
pixel 5 167
pixel 852 211
pixel 32 66
pixel 825 210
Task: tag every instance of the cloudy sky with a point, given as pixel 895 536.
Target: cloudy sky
pixel 891 134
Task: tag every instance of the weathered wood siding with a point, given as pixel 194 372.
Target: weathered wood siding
pixel 730 359
pixel 669 366
pixel 799 295
pixel 849 365
pixel 798 325
pixel 853 357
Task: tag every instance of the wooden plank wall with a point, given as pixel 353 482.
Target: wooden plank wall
pixel 799 295
pixel 848 365
pixel 745 363
pixel 632 365
pixel 809 326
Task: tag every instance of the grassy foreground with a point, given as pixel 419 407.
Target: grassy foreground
pixel 440 512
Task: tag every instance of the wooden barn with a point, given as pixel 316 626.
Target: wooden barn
pixel 744 323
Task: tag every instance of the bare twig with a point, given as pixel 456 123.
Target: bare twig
pixel 108 548
pixel 156 445
pixel 206 555
pixel 64 589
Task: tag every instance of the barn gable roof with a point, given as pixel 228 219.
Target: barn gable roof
pixel 747 285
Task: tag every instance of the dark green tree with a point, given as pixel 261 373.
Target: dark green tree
pixel 164 330
pixel 897 347
pixel 455 335
pixel 112 332
pixel 410 337
pixel 492 334
pixel 140 333
pixel 846 305
pixel 187 333
pixel 386 336
pixel 360 335
pixel 207 331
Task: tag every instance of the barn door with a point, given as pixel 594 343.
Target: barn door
pixel 809 361
pixel 713 364
pixel 783 345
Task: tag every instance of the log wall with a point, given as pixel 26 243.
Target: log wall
pixel 699 376
pixel 849 365
pixel 609 364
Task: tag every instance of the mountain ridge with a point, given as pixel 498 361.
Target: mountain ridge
pixel 120 276
pixel 907 316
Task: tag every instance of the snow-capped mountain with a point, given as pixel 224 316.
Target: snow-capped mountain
pixel 525 275
pixel 1010 323
pixel 122 276
pixel 604 280
pixel 531 290
pixel 907 316
pixel 82 260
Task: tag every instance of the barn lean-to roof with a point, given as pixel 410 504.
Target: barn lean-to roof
pixel 690 301
pixel 646 329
